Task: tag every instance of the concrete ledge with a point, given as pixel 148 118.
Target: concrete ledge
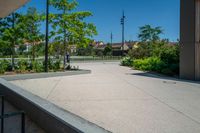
pixel 43 75
pixel 47 115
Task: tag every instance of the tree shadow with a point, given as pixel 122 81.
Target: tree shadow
pixel 163 77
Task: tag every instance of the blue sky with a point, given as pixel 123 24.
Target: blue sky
pixel 107 14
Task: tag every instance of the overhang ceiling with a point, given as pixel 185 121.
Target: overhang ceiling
pixel 8 6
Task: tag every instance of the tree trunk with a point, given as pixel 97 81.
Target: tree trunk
pixel 13 58
pixel 33 52
pixel 65 44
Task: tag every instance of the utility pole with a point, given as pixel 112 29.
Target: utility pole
pixel 122 23
pixel 47 36
pixel 111 38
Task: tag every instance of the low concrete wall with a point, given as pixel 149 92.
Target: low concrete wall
pixel 47 115
pixel 43 75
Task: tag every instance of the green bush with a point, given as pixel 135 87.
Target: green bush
pixel 127 61
pixel 7 64
pixel 159 56
pixel 169 54
pixel 149 64
pixel 140 51
pixel 3 66
pixel 38 66
pixel 22 65
pixel 56 65
pixel 155 64
pixel 50 64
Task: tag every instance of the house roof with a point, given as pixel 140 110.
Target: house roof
pixel 8 6
pixel 119 45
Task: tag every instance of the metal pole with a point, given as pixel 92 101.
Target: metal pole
pixel 23 122
pixel 111 37
pixel 2 114
pixel 122 23
pixel 47 36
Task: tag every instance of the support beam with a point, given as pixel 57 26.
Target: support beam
pixel 190 40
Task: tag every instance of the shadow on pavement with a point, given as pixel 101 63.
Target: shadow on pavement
pixel 160 76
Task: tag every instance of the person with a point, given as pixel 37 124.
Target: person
pixel 68 57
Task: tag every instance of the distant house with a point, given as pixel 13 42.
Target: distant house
pixel 116 47
pixel 73 49
pixel 28 45
pixel 98 44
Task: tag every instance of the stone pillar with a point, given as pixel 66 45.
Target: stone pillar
pixel 190 39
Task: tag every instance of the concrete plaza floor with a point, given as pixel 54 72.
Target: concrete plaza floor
pixel 123 100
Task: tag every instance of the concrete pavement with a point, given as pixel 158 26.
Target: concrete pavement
pixel 123 100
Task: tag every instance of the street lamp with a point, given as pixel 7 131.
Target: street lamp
pixel 47 36
pixel 122 23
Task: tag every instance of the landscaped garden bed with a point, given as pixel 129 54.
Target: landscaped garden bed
pixel 27 67
pixel 153 54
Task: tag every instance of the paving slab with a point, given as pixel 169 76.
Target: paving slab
pixel 123 100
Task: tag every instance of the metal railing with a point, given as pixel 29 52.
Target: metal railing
pixel 5 116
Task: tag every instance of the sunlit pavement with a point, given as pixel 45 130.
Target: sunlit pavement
pixel 123 100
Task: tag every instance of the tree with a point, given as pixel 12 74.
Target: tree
pixel 107 50
pixel 11 33
pixel 32 22
pixel 22 48
pixel 68 26
pixel 148 33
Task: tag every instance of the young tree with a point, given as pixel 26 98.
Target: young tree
pixel 11 33
pixel 32 23
pixel 148 33
pixel 68 26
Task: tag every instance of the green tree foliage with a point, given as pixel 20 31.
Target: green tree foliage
pixel 85 51
pixel 22 49
pixel 148 33
pixel 32 21
pixel 153 54
pixel 56 48
pixel 69 26
pixel 159 56
pixel 140 51
pixel 11 34
pixel 108 50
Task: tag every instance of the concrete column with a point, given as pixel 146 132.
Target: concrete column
pixel 190 40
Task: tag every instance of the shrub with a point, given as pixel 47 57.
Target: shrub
pixel 127 61
pixel 140 51
pixel 159 56
pixel 3 66
pixel 22 65
pixel 56 65
pixel 169 54
pixel 38 66
pixel 149 64
pixel 7 65
pixel 50 64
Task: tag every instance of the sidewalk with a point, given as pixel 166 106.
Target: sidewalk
pixel 122 100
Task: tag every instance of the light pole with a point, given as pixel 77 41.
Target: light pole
pixel 122 23
pixel 111 38
pixel 47 36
